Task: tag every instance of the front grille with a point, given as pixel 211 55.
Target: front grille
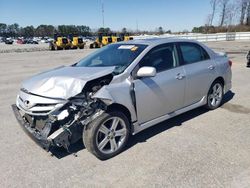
pixel 37 105
pixel 40 112
pixel 35 109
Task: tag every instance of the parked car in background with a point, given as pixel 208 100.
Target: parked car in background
pixel 8 41
pixel 44 41
pixel 248 59
pixel 26 41
pixel 20 41
pixel 120 90
pixel 31 41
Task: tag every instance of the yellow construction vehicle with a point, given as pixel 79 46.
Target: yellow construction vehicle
pixel 115 38
pixel 101 40
pixel 77 42
pixel 126 37
pixel 59 43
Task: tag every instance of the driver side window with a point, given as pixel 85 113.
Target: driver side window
pixel 161 58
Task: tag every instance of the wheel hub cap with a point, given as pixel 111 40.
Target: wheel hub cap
pixel 111 135
pixel 215 96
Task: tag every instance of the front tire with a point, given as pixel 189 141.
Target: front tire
pixel 107 135
pixel 215 95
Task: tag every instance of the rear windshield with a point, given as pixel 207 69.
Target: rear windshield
pixel 118 55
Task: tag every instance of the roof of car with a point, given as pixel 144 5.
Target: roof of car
pixel 157 41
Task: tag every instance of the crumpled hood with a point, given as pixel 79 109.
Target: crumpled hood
pixel 64 82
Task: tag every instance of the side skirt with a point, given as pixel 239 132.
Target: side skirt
pixel 140 127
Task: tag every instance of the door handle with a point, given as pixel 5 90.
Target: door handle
pixel 179 76
pixel 211 67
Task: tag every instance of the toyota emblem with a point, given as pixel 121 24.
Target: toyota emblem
pixel 26 103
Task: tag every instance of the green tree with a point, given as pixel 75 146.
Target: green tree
pixel 160 31
pixel 28 31
pixel 67 30
pixel 3 28
pixel 124 30
pixel 104 30
pixel 169 31
pixel 44 30
pixel 84 30
pixel 13 30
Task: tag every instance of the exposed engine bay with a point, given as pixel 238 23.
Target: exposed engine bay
pixel 64 126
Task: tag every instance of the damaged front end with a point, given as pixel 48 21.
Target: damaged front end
pixel 59 122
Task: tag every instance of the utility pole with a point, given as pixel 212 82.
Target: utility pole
pixel 102 13
pixel 137 26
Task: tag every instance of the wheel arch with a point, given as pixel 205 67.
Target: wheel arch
pixel 121 108
pixel 220 79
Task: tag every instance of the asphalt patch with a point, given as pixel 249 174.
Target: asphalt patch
pixel 235 108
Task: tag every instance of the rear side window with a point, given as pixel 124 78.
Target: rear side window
pixel 192 53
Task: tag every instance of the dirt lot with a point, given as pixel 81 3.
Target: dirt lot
pixel 196 149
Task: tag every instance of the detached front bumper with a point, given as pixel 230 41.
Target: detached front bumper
pixel 62 137
pixel 31 132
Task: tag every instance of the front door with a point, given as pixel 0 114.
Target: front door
pixel 164 93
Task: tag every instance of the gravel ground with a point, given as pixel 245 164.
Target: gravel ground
pixel 18 48
pixel 7 48
pixel 196 149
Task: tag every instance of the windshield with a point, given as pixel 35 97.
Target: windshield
pixel 118 55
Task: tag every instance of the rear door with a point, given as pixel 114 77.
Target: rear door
pixel 164 93
pixel 199 71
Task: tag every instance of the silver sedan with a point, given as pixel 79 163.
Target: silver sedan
pixel 119 91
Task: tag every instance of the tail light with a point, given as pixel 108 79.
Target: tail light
pixel 230 63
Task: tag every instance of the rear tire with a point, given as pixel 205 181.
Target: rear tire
pixel 58 48
pixel 51 47
pixel 96 45
pixel 107 135
pixel 215 95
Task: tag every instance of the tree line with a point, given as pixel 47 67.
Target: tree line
pixel 232 16
pixel 14 30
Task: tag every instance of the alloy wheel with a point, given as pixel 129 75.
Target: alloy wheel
pixel 111 135
pixel 216 94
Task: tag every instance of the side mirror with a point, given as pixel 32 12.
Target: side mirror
pixel 146 72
